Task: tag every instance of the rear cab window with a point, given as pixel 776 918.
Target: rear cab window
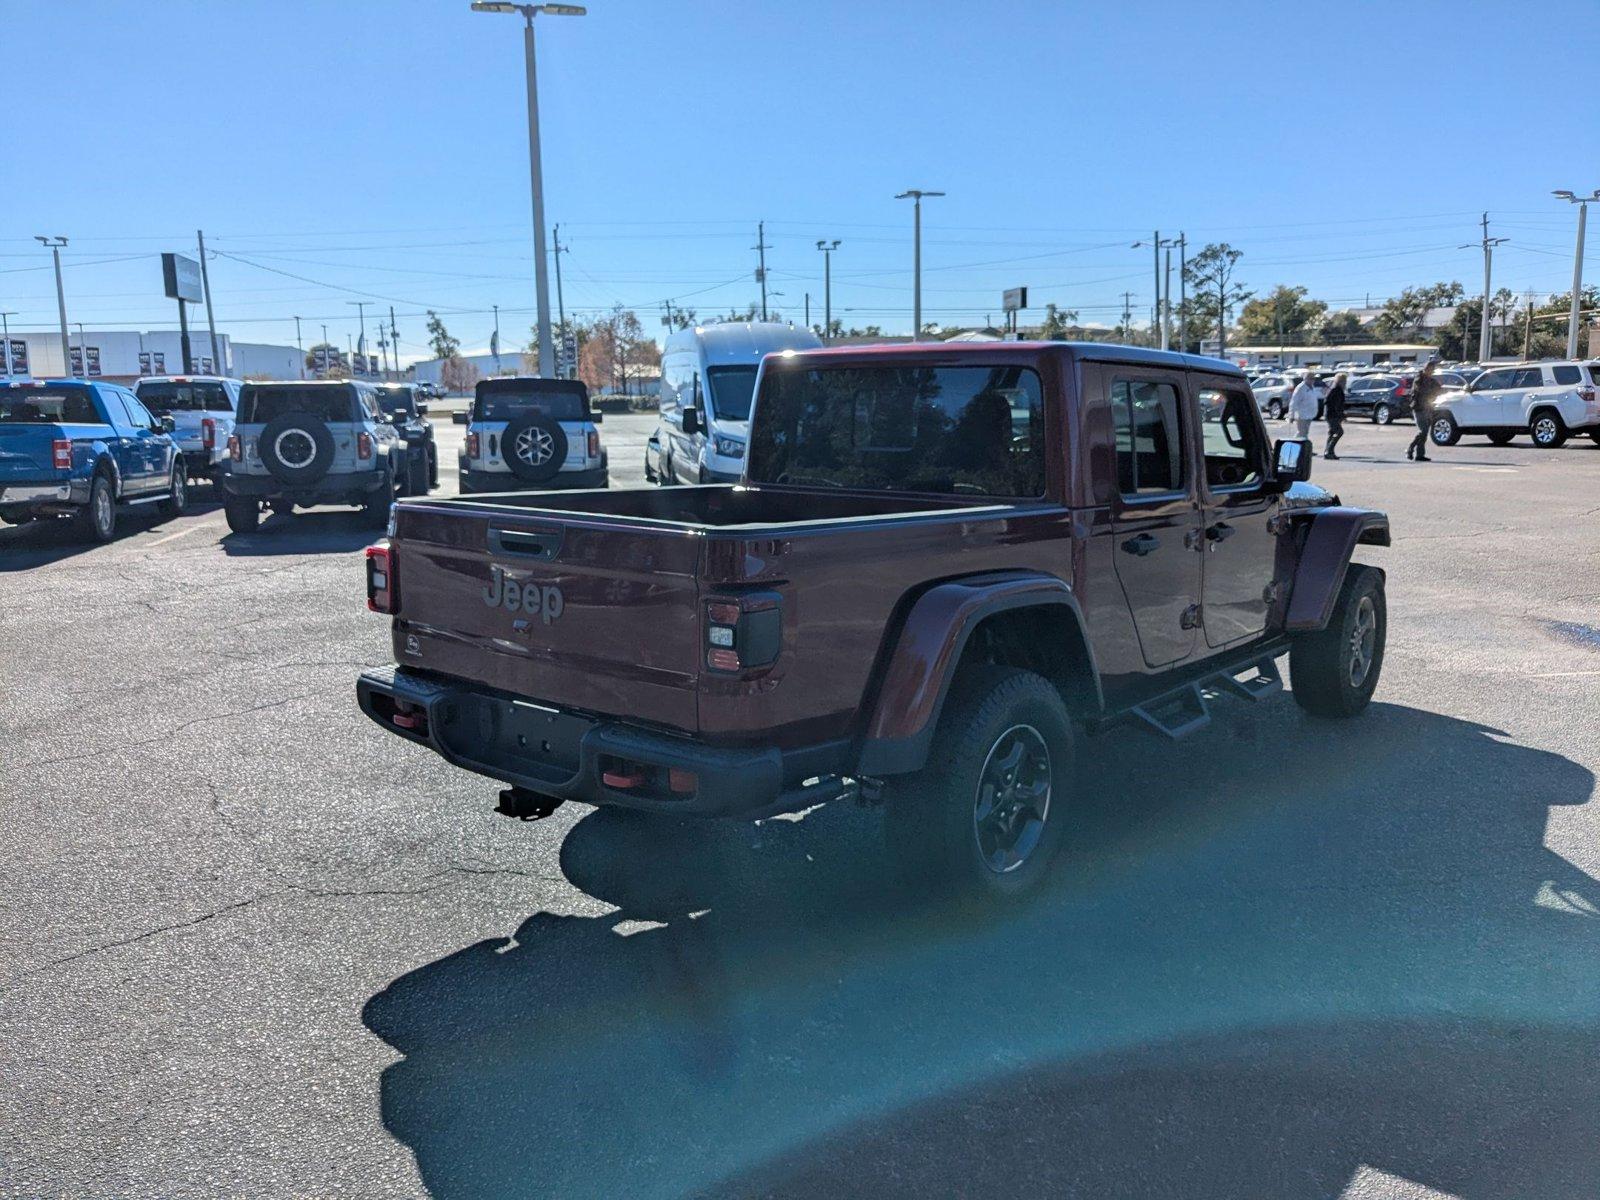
pixel 48 406
pixel 397 401
pixel 169 396
pixel 902 428
pixel 260 403
pixel 508 399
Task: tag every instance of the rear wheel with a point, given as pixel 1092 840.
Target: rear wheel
pixel 177 492
pixel 243 514
pixel 375 511
pixel 1333 672
pixel 1383 414
pixel 97 520
pixel 1444 431
pixel 1547 428
pixel 1501 438
pixel 988 813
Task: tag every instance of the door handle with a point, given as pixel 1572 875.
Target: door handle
pixel 526 544
pixel 1220 532
pixel 1145 543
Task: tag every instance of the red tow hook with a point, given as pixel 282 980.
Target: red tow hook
pixel 623 780
pixel 407 719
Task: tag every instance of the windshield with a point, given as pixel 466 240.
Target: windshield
pixel 507 399
pixel 732 389
pixel 966 430
pixel 397 400
pixel 260 404
pixel 41 406
pixel 163 398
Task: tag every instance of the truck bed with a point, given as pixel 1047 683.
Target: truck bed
pixel 612 591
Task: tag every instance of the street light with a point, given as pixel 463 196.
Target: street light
pixel 541 280
pixel 916 195
pixel 1157 326
pixel 5 337
pixel 827 249
pixel 1577 264
pixel 361 346
pixel 55 244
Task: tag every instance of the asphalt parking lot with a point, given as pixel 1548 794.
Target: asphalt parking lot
pixel 251 945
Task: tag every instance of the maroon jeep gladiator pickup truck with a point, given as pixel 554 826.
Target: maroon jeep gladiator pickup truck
pixel 944 567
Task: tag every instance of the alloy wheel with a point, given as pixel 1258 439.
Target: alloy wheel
pixel 1013 799
pixel 1363 641
pixel 535 446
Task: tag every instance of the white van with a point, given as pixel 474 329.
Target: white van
pixel 712 370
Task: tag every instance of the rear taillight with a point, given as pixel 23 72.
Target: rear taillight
pixel 744 632
pixel 363 446
pixel 61 454
pixel 1401 388
pixel 1586 394
pixel 381 591
pixel 235 448
pixel 594 444
pixel 472 445
pixel 208 433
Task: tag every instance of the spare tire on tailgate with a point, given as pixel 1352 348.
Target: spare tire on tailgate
pixel 296 447
pixel 534 446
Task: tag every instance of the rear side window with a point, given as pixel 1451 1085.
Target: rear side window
pixel 42 406
pixel 259 404
pixel 508 399
pixel 1529 377
pixel 1568 375
pixel 164 397
pixel 1145 417
pixel 945 430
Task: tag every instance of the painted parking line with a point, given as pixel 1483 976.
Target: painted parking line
pixel 181 533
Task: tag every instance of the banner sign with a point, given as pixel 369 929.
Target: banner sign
pixel 75 360
pixel 159 360
pixel 19 356
pixel 94 360
pixel 144 362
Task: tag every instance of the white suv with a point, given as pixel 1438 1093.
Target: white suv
pixel 528 434
pixel 1272 394
pixel 1549 401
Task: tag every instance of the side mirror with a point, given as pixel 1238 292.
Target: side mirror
pixel 691 421
pixel 1291 462
pixel 168 424
pixel 422 410
pixel 596 415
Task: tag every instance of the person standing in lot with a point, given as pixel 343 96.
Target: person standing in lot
pixel 1303 404
pixel 1422 393
pixel 1333 409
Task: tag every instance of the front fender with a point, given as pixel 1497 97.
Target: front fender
pixel 1332 534
pixel 923 659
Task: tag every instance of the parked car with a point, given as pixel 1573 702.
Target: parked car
pixel 944 566
pixel 1549 401
pixel 202 409
pixel 303 444
pixel 399 401
pixel 70 448
pixel 708 377
pixel 527 432
pixel 1384 398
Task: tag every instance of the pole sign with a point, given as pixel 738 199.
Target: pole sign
pixel 181 277
pixel 1014 299
pixel 144 362
pixel 94 359
pixel 19 356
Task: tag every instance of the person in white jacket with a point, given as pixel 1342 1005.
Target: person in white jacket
pixel 1304 403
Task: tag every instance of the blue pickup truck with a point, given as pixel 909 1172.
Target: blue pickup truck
pixel 81 450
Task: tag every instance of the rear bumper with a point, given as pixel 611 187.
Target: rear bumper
pixel 570 755
pixel 477 482
pixel 30 497
pixel 349 487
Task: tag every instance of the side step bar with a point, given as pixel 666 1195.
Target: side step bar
pixel 1185 709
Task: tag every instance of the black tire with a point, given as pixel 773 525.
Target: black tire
pixel 243 513
pixel 1501 438
pixel 1443 430
pixel 375 509
pixel 1548 430
pixel 97 520
pixel 433 466
pixel 1382 413
pixel 1594 436
pixel 534 446
pixel 281 508
pixel 1325 668
pixel 177 492
pixel 932 819
pixel 417 485
pixel 296 447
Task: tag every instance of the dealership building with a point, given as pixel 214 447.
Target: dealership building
pixel 124 355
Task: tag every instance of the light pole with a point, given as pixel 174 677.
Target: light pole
pixel 916 195
pixel 494 342
pixel 361 346
pixel 5 336
pixel 83 349
pixel 1485 340
pixel 1183 292
pixel 301 348
pixel 541 275
pixel 827 249
pixel 55 244
pixel 1577 265
pixel 1157 325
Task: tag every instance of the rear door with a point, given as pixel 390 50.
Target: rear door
pixel 1155 513
pixel 1239 549
pixel 128 441
pixel 589 613
pixel 1515 402
pixel 152 444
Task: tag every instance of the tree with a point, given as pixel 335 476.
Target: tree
pixel 1058 324
pixel 1283 315
pixel 681 318
pixel 444 346
pixel 1403 316
pixel 1209 275
pixel 752 312
pixel 457 375
pixel 616 352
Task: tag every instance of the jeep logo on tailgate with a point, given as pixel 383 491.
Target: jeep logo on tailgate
pixel 536 600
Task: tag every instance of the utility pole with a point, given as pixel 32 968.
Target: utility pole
pixel 916 196
pixel 394 340
pixel 1577 265
pixel 761 271
pixel 301 348
pixel 211 320
pixel 1183 292
pixel 808 310
pixel 55 244
pixel 1527 332
pixel 827 249
pixel 494 342
pixel 1485 334
pixel 561 308
pixel 1166 307
pixel 361 346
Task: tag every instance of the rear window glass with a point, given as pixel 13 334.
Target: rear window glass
pixel 1568 375
pixel 507 399
pixel 260 404
pixel 41 406
pixel 948 430
pixel 397 400
pixel 163 398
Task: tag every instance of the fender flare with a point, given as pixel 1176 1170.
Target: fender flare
pixel 1331 535
pixel 922 657
pixel 104 457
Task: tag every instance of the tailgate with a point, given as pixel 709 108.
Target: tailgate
pixel 26 452
pixel 581 612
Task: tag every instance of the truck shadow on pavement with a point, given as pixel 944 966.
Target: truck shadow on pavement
pixel 1280 958
pixel 53 540
pixel 319 532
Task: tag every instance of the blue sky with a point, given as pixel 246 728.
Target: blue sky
pixel 378 151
